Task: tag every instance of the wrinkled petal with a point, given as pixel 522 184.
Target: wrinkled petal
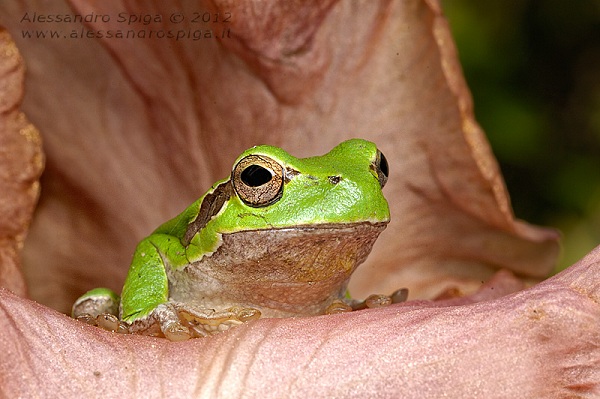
pixel 537 343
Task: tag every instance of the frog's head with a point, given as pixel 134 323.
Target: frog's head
pixel 271 189
pixel 285 234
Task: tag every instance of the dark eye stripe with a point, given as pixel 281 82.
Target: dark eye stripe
pixel 211 205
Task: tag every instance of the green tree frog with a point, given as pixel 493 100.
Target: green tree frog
pixel 280 237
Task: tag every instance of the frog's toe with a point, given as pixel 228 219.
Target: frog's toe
pixel 400 295
pixel 372 301
pixel 105 321
pixel 247 314
pixel 338 306
pixel 108 322
pixel 168 320
pixel 112 323
pixel 378 301
pixel 87 319
pixel 176 332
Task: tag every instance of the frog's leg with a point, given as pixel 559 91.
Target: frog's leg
pixel 95 302
pixel 99 307
pixel 145 296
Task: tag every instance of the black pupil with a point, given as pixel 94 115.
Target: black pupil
pixel 383 165
pixel 255 175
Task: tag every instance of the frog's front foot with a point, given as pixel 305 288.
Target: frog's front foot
pixel 372 301
pixel 99 307
pixel 106 321
pixel 202 322
pixel 180 321
pixel 162 321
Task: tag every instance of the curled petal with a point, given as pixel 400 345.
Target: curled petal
pixel 540 342
pixel 21 163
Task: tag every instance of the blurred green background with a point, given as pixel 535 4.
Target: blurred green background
pixel 533 68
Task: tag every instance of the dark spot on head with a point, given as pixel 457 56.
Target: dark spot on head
pixel 290 174
pixel 334 179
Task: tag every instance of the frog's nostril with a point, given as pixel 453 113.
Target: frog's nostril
pixel 334 179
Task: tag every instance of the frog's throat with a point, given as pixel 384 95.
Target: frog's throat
pixel 303 232
pixel 298 270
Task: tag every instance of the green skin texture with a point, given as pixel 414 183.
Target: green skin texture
pixel 308 199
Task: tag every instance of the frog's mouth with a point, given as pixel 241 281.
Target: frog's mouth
pixel 290 271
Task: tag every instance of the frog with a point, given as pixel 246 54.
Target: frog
pixel 279 237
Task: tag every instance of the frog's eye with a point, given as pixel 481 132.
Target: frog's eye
pixel 258 180
pixel 381 168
